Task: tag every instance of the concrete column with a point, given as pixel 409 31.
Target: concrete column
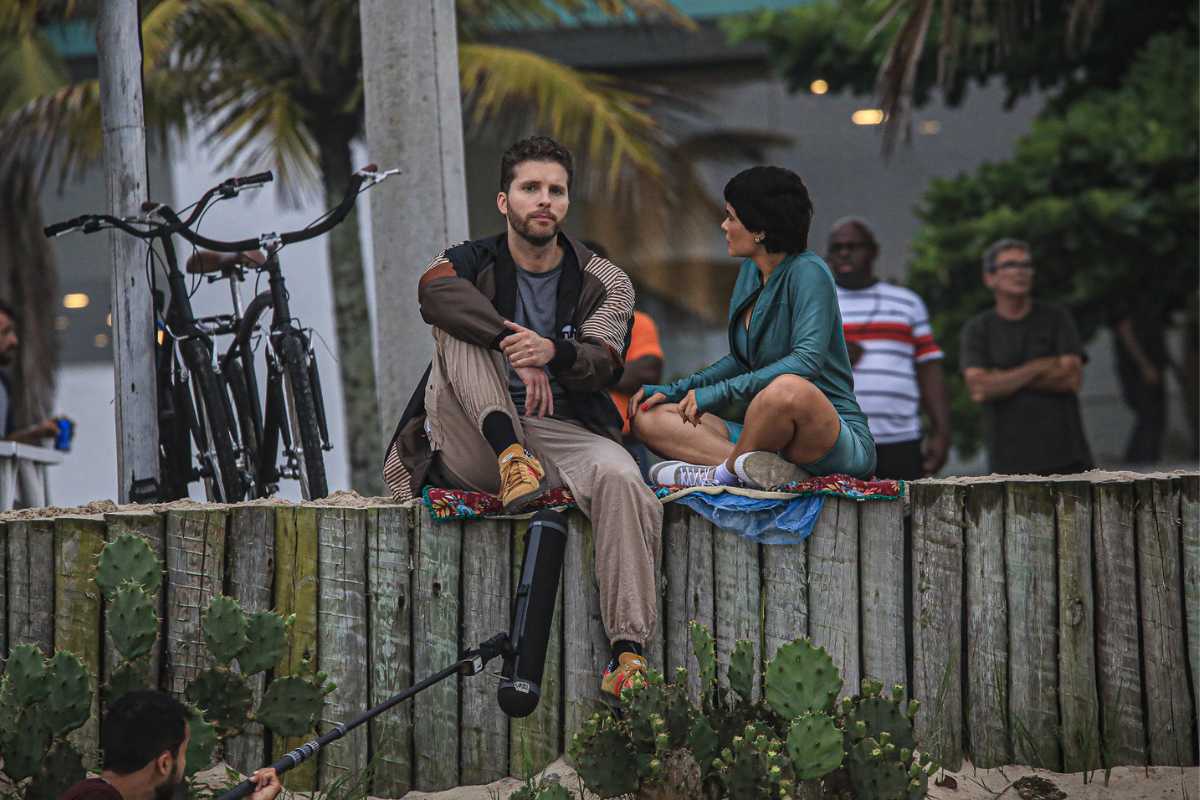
pixel 119 48
pixel 414 122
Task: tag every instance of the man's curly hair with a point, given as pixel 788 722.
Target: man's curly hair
pixel 535 148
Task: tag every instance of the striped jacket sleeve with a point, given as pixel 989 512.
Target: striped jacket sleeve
pixel 591 362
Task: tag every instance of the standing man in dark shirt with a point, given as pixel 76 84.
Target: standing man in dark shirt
pixel 1023 361
pixel 145 735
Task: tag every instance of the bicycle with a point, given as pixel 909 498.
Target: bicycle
pixel 237 443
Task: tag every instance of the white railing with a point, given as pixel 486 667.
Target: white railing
pixel 23 475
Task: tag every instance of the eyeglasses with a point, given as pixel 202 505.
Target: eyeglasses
pixel 1025 264
pixel 837 247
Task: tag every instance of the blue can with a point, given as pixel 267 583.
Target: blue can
pixel 66 431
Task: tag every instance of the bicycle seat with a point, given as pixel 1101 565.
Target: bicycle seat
pixel 203 262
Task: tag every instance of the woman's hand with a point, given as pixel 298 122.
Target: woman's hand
pixel 636 403
pixel 689 410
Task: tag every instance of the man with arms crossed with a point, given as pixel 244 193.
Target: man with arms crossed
pixel 1023 361
pixel 530 327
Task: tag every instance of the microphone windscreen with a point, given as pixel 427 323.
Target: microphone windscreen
pixel 533 611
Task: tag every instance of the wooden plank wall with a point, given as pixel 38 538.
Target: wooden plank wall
pixel 1038 622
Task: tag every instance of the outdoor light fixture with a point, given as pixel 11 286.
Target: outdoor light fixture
pixel 818 86
pixel 867 116
pixel 75 300
pixel 101 340
pixel 930 127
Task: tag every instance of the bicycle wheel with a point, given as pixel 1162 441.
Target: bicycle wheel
pixel 226 478
pixel 302 416
pixel 243 404
pixel 174 440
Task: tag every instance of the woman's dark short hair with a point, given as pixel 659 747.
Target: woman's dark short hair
pixel 535 148
pixel 139 727
pixel 772 201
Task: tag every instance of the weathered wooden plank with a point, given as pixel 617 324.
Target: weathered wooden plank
pixel 250 568
pixel 486 596
pixel 736 586
pixel 698 593
pixel 77 545
pixel 342 635
pixel 675 568
pixel 1170 715
pixel 535 741
pixel 3 594
pixel 437 548
pixel 656 644
pixel 195 574
pixel 151 527
pixel 1118 660
pixel 588 647
pixel 784 595
pixel 296 593
pixel 987 626
pixel 1030 553
pixel 937 556
pixel 1191 572
pixel 1079 704
pixel 833 588
pixel 882 560
pixel 30 583
pixel 389 575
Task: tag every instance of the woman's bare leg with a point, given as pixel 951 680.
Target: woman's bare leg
pixel 666 434
pixel 791 417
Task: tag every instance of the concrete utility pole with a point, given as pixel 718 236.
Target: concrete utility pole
pixel 414 122
pixel 119 47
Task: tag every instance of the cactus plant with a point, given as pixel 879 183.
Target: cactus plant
pixel 68 702
pixel 290 706
pixel 61 768
pixel 202 743
pixel 814 744
pixel 224 697
pixel 128 558
pixel 602 757
pixel 741 670
pixel 128 677
pixel 27 675
pixel 267 631
pixel 25 749
pixel 706 654
pixel 225 627
pixel 801 679
pixel 132 620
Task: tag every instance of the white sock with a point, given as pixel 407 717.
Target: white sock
pixel 724 477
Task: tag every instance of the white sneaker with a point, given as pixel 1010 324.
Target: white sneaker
pixel 761 469
pixel 681 473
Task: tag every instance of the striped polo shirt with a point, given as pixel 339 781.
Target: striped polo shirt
pixel 891 324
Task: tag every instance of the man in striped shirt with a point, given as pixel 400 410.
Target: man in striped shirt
pixel 897 364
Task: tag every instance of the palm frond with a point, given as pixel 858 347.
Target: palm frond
pixel 29 68
pixel 586 111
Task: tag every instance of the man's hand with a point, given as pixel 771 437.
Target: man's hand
pixel 267 785
pixel 637 403
pixel 35 434
pixel 526 348
pixel 689 411
pixel 934 451
pixel 539 402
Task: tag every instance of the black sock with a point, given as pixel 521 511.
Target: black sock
pixel 625 646
pixel 498 430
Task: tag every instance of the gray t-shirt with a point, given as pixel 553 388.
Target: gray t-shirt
pixel 537 304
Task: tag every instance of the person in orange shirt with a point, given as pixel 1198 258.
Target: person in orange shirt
pixel 643 365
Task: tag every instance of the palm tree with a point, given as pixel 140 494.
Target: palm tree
pixel 281 82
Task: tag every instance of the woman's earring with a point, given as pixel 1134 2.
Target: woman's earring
pixel 758 239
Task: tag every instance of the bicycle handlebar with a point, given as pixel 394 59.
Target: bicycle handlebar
pixel 274 241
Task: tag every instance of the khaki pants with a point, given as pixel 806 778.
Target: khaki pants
pixel 466 384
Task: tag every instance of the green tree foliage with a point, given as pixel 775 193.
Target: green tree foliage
pixel 1105 193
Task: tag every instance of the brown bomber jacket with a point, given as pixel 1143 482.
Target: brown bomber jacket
pixel 468 292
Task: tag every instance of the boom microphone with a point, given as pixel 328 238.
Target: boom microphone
pixel 520 687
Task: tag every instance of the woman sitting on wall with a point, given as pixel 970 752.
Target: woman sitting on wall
pixel 781 405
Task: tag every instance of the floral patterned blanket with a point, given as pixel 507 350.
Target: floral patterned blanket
pixel 449 504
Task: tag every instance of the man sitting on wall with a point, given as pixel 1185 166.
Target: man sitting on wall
pixel 529 328
pixel 145 735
